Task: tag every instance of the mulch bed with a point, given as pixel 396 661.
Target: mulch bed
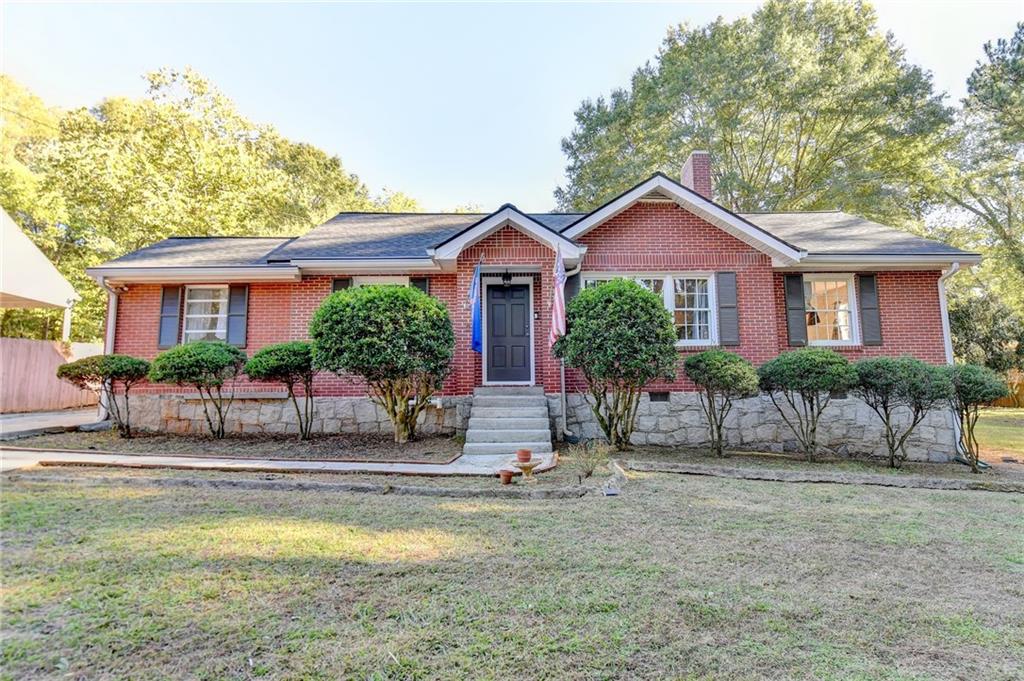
pixel 342 447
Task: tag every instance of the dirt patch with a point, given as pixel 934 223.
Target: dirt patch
pixel 377 448
pixel 826 476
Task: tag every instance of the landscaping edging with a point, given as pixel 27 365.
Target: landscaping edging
pixel 498 492
pixel 831 478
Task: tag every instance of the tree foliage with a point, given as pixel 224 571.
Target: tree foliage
pixel 93 183
pixel 396 338
pixel 892 386
pixel 803 105
pixel 805 381
pixel 205 366
pixel 722 378
pixel 996 86
pixel 289 363
pixel 621 337
pixel 973 387
pixel 102 374
pixel 985 330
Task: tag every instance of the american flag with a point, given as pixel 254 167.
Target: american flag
pixel 558 304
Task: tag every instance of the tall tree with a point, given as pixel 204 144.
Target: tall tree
pixel 804 105
pixel 91 184
pixel 983 171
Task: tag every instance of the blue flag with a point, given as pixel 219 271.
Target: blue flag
pixel 474 304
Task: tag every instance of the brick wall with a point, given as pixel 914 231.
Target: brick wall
pixel 646 238
pixel 910 313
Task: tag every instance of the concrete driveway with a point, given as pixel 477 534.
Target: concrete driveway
pixel 13 426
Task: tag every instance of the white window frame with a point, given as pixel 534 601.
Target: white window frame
pixel 185 315
pixel 381 280
pixel 854 309
pixel 668 291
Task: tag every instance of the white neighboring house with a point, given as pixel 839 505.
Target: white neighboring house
pixel 27 278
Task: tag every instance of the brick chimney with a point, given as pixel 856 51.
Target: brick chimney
pixel 697 173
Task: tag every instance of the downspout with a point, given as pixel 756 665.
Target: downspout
pixel 108 339
pixel 947 336
pixel 563 428
pixel 947 341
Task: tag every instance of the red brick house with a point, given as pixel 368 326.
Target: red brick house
pixel 758 284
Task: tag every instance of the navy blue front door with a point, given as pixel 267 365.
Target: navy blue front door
pixel 508 333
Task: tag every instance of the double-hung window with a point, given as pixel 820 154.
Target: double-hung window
pixel 690 297
pixel 830 304
pixel 206 313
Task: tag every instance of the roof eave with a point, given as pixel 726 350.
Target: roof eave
pixel 175 275
pixel 869 261
pixel 449 250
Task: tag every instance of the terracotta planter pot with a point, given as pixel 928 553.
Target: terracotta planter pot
pixel 524 455
pixel 506 477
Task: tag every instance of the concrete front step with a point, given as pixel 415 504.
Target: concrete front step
pixel 503 390
pixel 510 401
pixel 508 448
pixel 507 412
pixel 512 422
pixel 512 435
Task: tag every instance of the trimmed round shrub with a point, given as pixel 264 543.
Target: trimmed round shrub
pixel 722 377
pixel 973 387
pixel 620 337
pixel 887 384
pixel 396 338
pixel 102 374
pixel 805 380
pixel 291 364
pixel 206 366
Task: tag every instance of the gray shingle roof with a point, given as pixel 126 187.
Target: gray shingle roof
pixel 838 233
pixel 409 235
pixel 390 235
pixel 215 251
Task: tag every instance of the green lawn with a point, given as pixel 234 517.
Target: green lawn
pixel 679 577
pixel 1001 431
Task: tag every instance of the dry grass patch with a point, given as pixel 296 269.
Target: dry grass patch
pixel 680 577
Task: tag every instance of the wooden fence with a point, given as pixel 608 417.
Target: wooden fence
pixel 28 375
pixel 1016 398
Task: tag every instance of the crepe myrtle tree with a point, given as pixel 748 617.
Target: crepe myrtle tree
pixel 205 366
pixel 800 384
pixel 291 364
pixel 722 378
pixel 396 338
pixel 620 337
pixel 102 374
pixel 901 390
pixel 973 387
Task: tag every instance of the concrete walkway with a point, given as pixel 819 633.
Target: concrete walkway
pixel 486 465
pixel 13 426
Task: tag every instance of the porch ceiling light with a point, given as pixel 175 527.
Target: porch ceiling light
pixel 506 279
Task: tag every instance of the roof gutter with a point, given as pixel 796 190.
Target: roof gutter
pixel 171 275
pixel 366 265
pixel 867 261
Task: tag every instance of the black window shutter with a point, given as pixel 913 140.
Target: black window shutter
pixel 870 317
pixel 728 310
pixel 422 283
pixel 796 314
pixel 341 284
pixel 238 306
pixel 170 317
pixel 572 287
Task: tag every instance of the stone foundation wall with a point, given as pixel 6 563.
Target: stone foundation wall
pixel 184 414
pixel 847 427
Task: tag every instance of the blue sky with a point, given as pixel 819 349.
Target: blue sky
pixel 450 103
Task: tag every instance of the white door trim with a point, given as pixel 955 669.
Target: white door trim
pixel 484 285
